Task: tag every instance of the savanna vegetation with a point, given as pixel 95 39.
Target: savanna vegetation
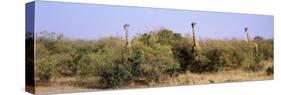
pixel 156 58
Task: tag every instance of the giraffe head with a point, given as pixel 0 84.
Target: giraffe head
pixel 126 26
pixel 246 29
pixel 193 24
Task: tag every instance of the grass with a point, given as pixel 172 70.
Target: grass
pixel 59 89
pixel 220 77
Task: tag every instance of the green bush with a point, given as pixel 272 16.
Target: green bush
pixel 149 57
pixel 220 58
pixel 152 61
pixel 183 54
pixel 239 57
pixel 116 76
pixel 202 65
pixel 45 69
pixel 155 62
pixel 270 70
pixel 265 47
pixel 43 72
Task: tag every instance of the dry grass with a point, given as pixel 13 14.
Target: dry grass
pixel 183 79
pixel 59 85
pixel 220 77
pixel 189 78
pixel 67 85
pixel 59 89
pixel 205 78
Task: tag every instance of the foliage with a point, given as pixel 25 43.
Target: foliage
pixel 152 57
pixel 149 57
pixel 270 70
pixel 116 76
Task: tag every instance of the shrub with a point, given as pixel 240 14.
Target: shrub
pixel 152 61
pixel 255 67
pixel 265 47
pixel 220 58
pixel 184 56
pixel 45 69
pixel 42 73
pixel 156 62
pixel 202 65
pixel 239 56
pixel 149 57
pixel 116 76
pixel 258 57
pixel 173 72
pixel 66 64
pixel 270 70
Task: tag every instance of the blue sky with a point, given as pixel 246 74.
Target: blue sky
pixel 90 21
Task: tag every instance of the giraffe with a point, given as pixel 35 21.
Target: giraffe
pixel 195 47
pixel 125 27
pixel 125 50
pixel 250 41
pixel 253 45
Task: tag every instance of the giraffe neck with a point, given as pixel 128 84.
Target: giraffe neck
pixel 195 44
pixel 126 37
pixel 249 38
